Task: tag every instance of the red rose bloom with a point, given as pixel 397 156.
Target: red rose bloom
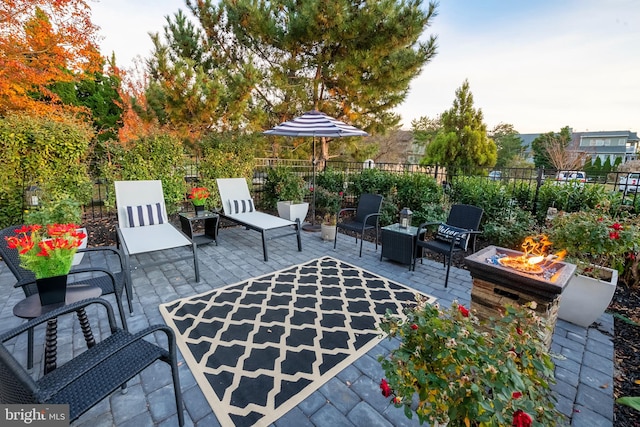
pixel 614 235
pixel 516 395
pixel 384 386
pixel 463 310
pixel 616 226
pixel 521 419
pixel 414 326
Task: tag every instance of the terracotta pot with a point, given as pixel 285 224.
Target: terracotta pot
pixel 52 290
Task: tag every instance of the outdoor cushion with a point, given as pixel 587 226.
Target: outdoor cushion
pixel 448 233
pixel 241 206
pixel 142 215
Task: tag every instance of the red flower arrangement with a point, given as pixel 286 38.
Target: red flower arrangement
pixel 47 252
pixel 199 195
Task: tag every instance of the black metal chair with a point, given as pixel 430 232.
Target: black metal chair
pixel 366 217
pixel 462 226
pixel 92 375
pixel 110 282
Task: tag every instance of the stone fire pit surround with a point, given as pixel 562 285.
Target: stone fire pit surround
pixel 494 286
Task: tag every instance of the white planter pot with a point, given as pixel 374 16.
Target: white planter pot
pixel 77 258
pixel 328 232
pixel 291 211
pixel 585 299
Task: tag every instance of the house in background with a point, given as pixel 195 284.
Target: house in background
pixel 605 145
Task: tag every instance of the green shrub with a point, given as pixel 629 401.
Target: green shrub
pixel 61 210
pixel 331 180
pixel 283 184
pixel 225 156
pixel 44 152
pixel 158 156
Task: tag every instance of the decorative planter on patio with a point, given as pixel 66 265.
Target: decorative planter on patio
pixel 586 298
pixel 77 258
pixel 291 211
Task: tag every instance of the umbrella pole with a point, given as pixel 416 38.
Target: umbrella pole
pixel 313 226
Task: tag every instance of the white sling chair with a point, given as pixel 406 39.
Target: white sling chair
pixel 238 207
pixel 143 225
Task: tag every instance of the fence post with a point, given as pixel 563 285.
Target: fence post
pixel 539 180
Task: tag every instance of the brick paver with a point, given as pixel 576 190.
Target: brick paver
pixel 583 357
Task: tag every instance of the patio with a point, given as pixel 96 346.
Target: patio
pixel 584 366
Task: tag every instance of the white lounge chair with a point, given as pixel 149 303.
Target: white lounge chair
pixel 238 207
pixel 143 225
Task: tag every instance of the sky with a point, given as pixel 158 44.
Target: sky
pixel 538 65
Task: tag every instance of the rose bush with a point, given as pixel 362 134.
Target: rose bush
pixel 594 238
pixel 451 369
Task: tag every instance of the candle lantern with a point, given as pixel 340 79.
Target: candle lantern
pixel 32 196
pixel 405 218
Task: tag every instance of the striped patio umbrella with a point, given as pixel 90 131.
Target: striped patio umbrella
pixel 315 124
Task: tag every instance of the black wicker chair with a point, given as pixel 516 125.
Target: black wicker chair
pixel 92 375
pixel 366 217
pixel 462 226
pixel 110 282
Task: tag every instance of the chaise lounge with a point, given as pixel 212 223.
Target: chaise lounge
pixel 238 207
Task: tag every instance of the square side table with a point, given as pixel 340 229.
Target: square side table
pixel 211 222
pixel 398 243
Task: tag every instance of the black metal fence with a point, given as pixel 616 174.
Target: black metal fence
pixel 532 178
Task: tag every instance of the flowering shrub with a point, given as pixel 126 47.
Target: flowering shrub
pixel 450 369
pixel 327 202
pixel 595 238
pixel 198 196
pixel 49 251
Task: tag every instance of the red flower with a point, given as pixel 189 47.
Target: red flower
pixel 616 226
pixel 521 419
pixel 384 386
pixel 519 331
pixel 614 235
pixel 414 326
pixel 463 311
pixel 341 194
pixel 516 395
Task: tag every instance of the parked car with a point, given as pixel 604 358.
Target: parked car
pixel 629 183
pixel 571 176
pixel 495 175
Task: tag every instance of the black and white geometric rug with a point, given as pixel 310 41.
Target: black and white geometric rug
pixel 259 347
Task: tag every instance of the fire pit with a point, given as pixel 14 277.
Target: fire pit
pixel 504 276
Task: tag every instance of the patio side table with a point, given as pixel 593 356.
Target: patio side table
pixel 30 308
pixel 211 222
pixel 398 243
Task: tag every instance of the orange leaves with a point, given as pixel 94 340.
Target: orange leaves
pixel 43 42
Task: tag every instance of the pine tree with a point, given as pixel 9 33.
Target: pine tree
pixel 275 60
pixel 462 143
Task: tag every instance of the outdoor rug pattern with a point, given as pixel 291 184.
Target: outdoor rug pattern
pixel 259 347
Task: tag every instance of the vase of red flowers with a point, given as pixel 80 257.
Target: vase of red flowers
pixel 198 197
pixel 48 252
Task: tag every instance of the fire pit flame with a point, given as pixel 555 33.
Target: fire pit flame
pixel 534 260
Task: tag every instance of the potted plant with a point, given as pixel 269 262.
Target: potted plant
pixel 60 209
pixel 449 369
pixel 328 227
pixel 199 196
pixel 285 190
pixel 599 245
pixel 48 252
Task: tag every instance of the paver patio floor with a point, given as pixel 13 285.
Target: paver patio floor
pixel 584 362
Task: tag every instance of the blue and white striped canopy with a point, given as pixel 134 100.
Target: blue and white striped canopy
pixel 314 123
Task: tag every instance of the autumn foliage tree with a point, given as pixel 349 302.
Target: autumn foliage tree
pixel 43 42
